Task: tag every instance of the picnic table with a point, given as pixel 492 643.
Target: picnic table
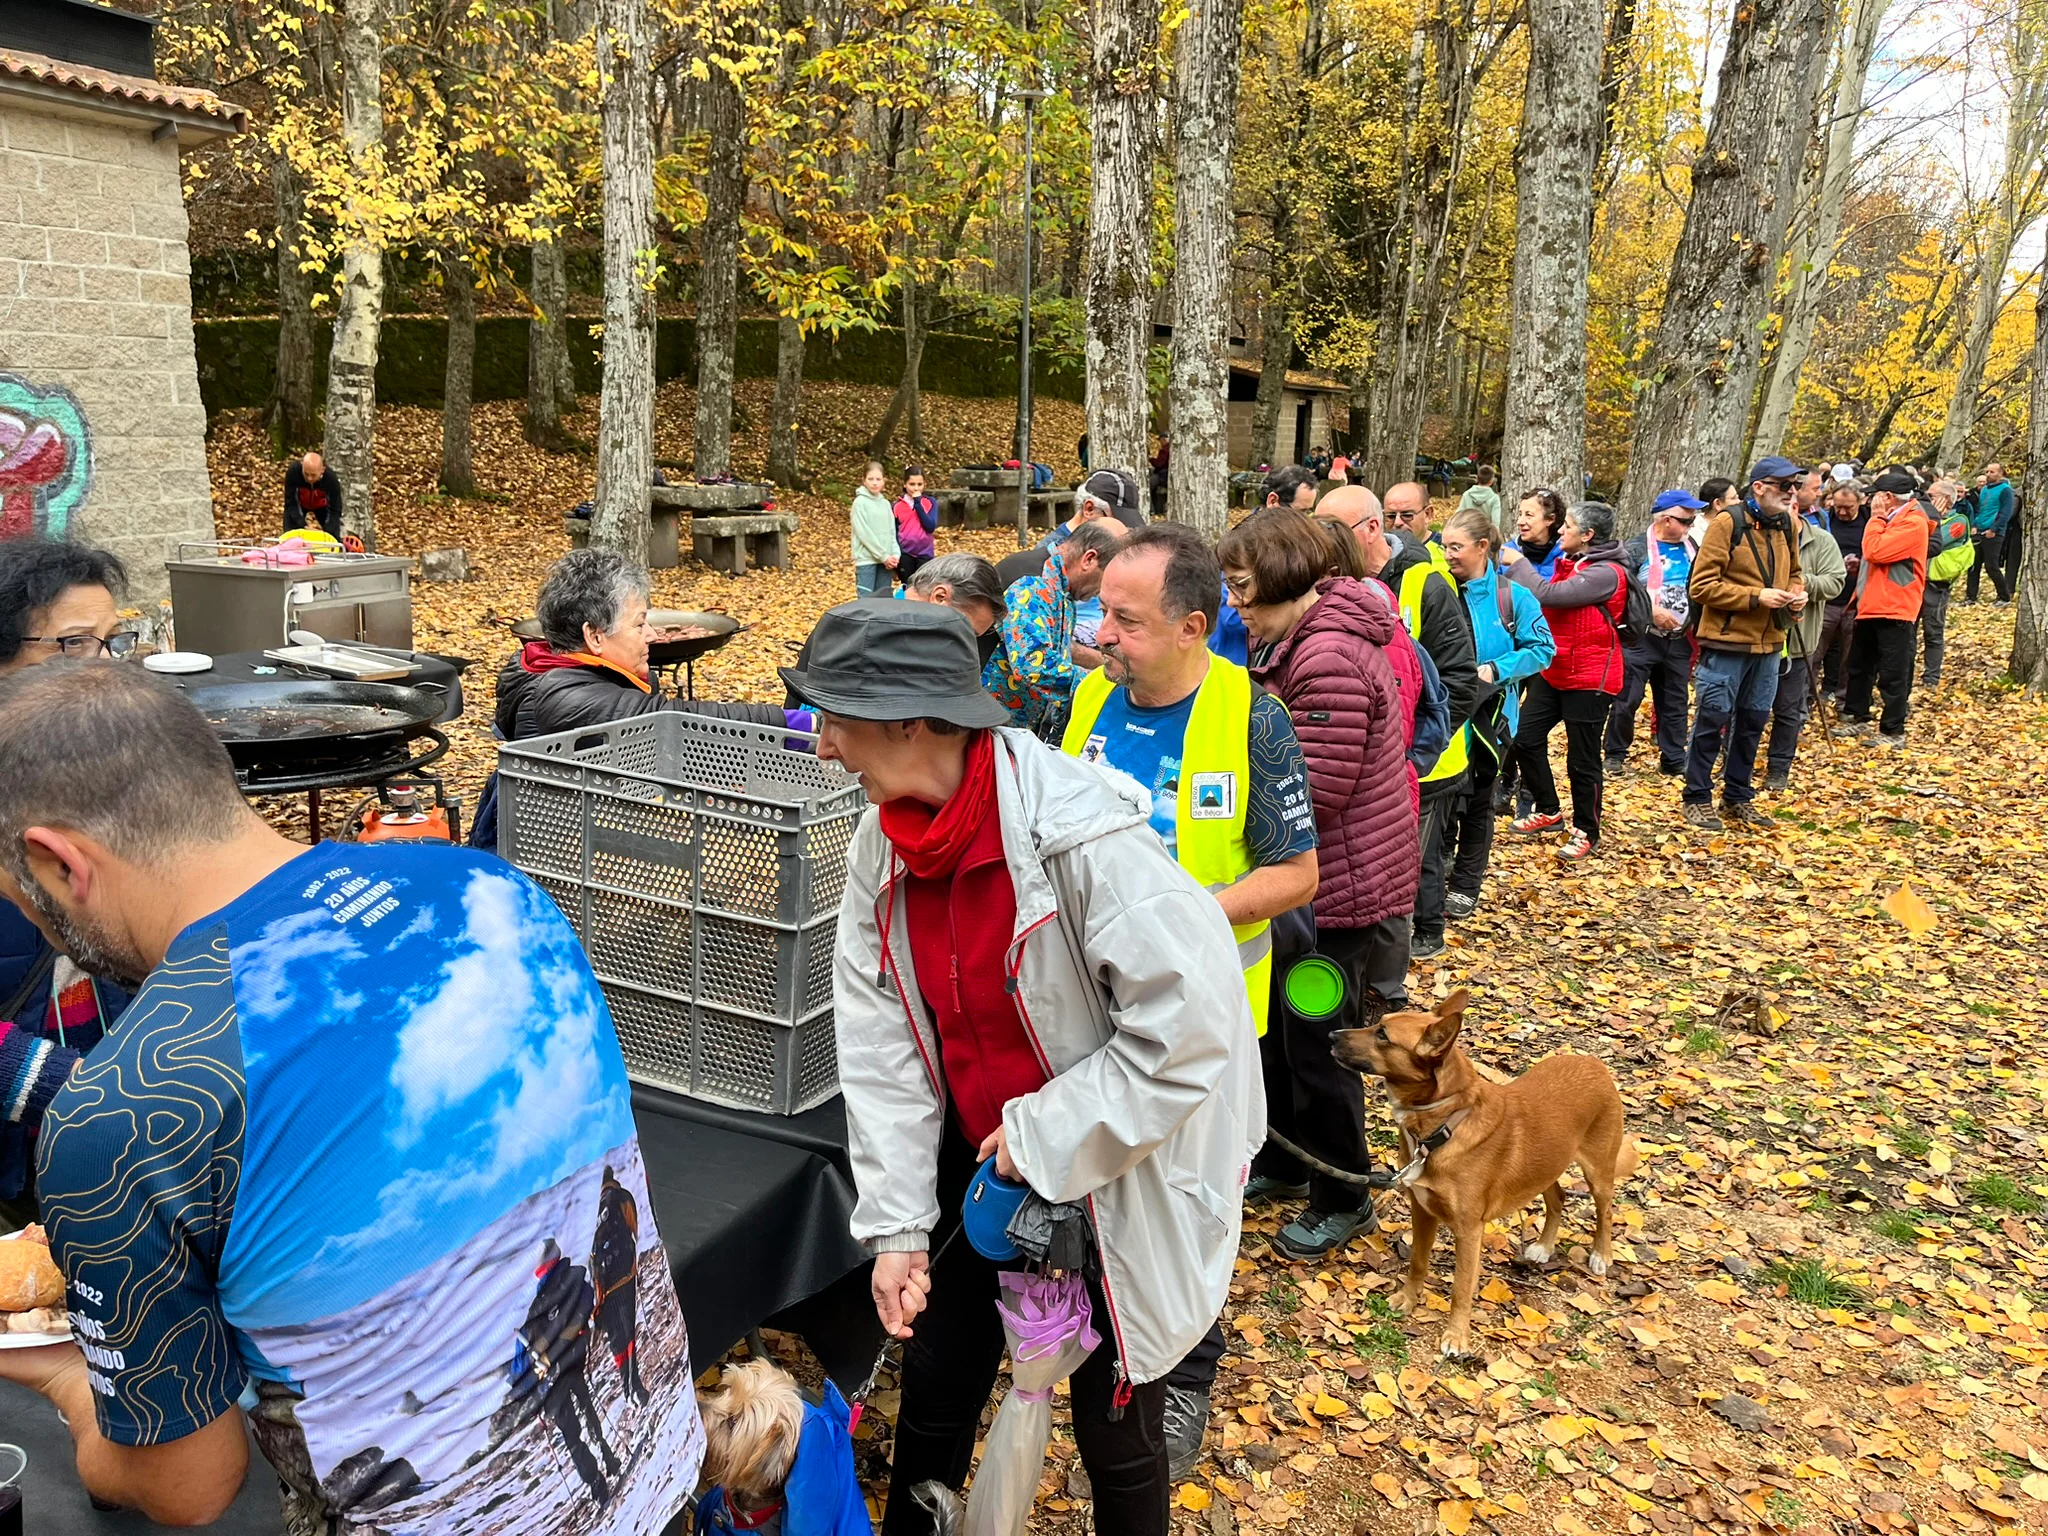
pixel 753 1213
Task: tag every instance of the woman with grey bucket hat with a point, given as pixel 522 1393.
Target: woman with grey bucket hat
pixel 1023 975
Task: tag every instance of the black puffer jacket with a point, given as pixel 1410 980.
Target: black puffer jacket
pixel 567 698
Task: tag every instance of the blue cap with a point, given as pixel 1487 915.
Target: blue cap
pixel 991 1201
pixel 1773 468
pixel 1668 500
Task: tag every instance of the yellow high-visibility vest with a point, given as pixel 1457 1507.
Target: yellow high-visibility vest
pixel 1458 755
pixel 1216 764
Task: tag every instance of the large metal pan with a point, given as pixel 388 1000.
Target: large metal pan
pixel 273 722
pixel 668 653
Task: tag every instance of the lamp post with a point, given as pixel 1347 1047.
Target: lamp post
pixel 1031 99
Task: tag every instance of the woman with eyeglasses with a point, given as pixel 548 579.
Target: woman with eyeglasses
pixel 57 600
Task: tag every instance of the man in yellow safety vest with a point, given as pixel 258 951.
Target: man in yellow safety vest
pixel 1228 785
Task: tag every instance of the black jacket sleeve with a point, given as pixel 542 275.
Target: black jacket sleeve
pixel 293 479
pixel 330 482
pixel 1447 636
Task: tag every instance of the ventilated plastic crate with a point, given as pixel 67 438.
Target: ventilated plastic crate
pixel 701 862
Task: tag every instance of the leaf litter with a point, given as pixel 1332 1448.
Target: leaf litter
pixel 1829 1309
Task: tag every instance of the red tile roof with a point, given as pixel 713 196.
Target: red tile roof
pixel 130 90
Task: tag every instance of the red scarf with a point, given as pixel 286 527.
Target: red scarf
pixel 932 838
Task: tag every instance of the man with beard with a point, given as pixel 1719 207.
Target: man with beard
pixel 615 1267
pixel 553 1355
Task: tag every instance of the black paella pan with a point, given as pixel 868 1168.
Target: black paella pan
pixel 275 722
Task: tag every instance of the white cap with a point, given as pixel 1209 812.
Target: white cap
pixel 1844 473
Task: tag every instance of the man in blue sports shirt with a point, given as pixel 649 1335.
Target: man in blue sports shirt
pixel 365 1106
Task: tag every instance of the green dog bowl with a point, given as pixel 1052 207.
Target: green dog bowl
pixel 1315 987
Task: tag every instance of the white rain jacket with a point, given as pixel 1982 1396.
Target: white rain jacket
pixel 1126 975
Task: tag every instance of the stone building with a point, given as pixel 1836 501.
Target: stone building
pixel 102 434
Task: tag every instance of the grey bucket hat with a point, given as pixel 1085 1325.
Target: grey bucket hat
pixel 888 659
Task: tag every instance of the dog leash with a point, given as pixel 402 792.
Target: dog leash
pixel 858 1402
pixel 1398 1179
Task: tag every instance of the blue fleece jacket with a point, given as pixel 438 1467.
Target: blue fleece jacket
pixel 1514 658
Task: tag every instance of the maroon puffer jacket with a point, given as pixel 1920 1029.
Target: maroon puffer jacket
pixel 1336 682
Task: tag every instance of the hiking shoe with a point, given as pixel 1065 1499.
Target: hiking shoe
pixel 1576 847
pixel 1671 770
pixel 1422 946
pixel 1895 742
pixel 1701 814
pixel 1314 1234
pixel 1537 822
pixel 1851 730
pixel 1746 814
pixel 1264 1189
pixel 1503 800
pixel 1778 780
pixel 1458 906
pixel 1616 766
pixel 1186 1420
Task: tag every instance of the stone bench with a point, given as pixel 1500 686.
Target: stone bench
pixel 958 507
pixel 730 544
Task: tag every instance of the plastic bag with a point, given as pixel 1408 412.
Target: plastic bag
pixel 1051 1329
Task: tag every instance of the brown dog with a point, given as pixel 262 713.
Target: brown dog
pixel 1506 1143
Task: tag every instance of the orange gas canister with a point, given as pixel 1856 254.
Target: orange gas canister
pixel 404 819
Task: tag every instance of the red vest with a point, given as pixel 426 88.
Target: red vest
pixel 1588 650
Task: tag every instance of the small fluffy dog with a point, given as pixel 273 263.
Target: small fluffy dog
pixel 1506 1143
pixel 752 1424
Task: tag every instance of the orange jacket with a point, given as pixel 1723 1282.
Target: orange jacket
pixel 1894 576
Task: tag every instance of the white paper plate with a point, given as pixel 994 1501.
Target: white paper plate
pixel 179 661
pixel 28 1340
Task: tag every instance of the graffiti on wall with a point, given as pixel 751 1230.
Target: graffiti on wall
pixel 45 457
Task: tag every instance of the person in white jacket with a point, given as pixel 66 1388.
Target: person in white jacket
pixel 875 551
pixel 1023 973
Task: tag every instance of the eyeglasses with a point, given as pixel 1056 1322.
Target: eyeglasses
pixel 1783 485
pixel 1239 588
pixel 117 645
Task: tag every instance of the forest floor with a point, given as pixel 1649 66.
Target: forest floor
pixel 1830 1306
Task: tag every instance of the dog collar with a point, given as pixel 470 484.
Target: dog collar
pixel 1426 1145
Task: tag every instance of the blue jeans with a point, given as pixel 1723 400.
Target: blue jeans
pixel 1732 694
pixel 872 581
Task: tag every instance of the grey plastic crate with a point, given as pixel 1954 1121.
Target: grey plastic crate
pixel 701 862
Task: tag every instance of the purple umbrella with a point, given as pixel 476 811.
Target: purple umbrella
pixel 1051 1329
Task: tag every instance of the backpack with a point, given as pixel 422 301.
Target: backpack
pixel 1637 622
pixel 1432 716
pixel 1949 548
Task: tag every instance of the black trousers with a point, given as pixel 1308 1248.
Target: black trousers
pixel 2010 554
pixel 1881 654
pixel 1837 628
pixel 1990 557
pixel 1468 835
pixel 1583 713
pixel 1662 664
pixel 949 1368
pixel 1440 803
pixel 1312 1100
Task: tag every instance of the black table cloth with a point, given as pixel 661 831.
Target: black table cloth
pixel 753 1212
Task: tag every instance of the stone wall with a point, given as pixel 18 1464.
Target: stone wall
pixel 102 430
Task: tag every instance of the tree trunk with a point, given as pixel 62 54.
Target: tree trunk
pixel 1276 350
pixel 2029 663
pixel 458 477
pixel 1122 121
pixel 718 273
pixel 916 310
pixel 291 412
pixel 359 312
pixel 1545 442
pixel 1701 376
pixel 783 467
pixel 625 438
pixel 1814 252
pixel 1198 386
pixel 547 351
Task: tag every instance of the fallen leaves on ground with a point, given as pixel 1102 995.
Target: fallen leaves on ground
pixel 1829 1310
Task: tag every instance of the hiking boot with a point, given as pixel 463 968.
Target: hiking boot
pixel 1746 813
pixel 1264 1189
pixel 1425 945
pixel 1672 770
pixel 1616 767
pixel 1503 800
pixel 1851 730
pixel 1314 1234
pixel 1778 780
pixel 1458 906
pixel 1895 742
pixel 1186 1420
pixel 1701 814
pixel 1577 847
pixel 1537 822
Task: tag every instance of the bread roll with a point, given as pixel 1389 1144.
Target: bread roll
pixel 27 1277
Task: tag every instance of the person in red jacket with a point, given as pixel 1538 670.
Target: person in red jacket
pixel 1324 643
pixel 1582 604
pixel 1889 591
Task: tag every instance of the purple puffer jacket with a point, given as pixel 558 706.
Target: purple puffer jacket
pixel 1340 689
